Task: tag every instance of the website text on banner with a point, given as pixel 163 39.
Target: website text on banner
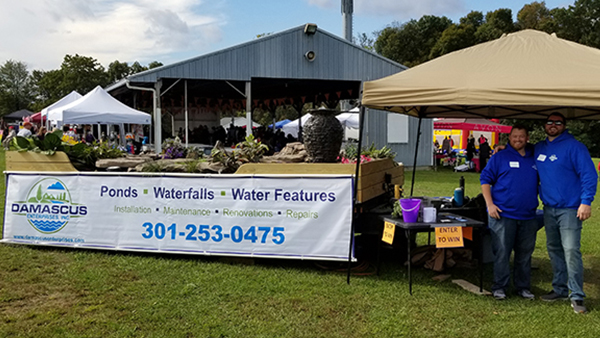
pixel 300 218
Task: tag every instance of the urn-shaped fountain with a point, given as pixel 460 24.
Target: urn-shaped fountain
pixel 323 134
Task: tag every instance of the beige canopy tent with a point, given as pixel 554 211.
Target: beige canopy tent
pixel 525 75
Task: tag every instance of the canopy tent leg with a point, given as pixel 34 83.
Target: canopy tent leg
pixel 122 134
pixel 412 184
pixel 361 119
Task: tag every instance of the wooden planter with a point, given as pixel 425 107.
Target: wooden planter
pixel 371 176
pixel 30 161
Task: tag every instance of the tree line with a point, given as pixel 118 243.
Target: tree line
pixel 21 89
pixel 410 43
pixel 417 41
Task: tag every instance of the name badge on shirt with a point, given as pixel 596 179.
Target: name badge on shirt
pixel 513 164
pixel 541 158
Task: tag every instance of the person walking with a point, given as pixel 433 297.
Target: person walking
pixel 509 186
pixel 568 181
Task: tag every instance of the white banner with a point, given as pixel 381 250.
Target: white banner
pixel 230 215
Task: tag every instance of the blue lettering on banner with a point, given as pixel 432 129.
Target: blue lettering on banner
pixel 251 195
pixel 304 196
pixel 205 233
pixel 128 192
pixel 191 193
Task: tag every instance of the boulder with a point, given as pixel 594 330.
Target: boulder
pixel 123 162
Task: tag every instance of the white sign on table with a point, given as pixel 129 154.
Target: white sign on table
pixel 305 217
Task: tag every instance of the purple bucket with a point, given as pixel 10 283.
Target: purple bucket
pixel 410 209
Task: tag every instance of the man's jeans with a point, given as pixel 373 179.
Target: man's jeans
pixel 563 240
pixel 508 234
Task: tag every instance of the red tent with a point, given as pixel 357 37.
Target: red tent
pixel 36 118
pixel 471 124
pixel 467 125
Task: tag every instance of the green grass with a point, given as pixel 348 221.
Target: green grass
pixel 49 292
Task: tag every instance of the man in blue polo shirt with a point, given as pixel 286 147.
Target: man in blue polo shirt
pixel 509 184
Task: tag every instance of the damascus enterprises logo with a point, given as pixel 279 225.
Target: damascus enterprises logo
pixel 49 207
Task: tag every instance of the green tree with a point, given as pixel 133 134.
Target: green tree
pixel 154 64
pixel 474 18
pixel 536 16
pixel 496 23
pixel 136 67
pixel 46 86
pixel 117 71
pixel 458 36
pixel 39 196
pixel 81 73
pixel 16 89
pixel 411 43
pixel 365 41
pixel 580 22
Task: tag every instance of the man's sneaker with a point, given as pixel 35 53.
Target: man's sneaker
pixel 499 295
pixel 526 294
pixel 553 296
pixel 578 306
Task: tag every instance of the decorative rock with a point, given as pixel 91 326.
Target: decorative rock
pixel 123 162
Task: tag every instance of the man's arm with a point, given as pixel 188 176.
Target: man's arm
pixel 493 210
pixel 589 182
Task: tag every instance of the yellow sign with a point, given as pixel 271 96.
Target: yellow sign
pixel 449 237
pixel 388 232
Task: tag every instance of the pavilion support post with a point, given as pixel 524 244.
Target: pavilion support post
pixel 186 112
pixel 172 125
pixel 361 121
pixel 157 118
pixel 248 108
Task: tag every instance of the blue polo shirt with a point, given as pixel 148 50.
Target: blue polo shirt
pixel 514 182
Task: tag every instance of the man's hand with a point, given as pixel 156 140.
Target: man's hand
pixel 498 148
pixel 584 212
pixel 494 211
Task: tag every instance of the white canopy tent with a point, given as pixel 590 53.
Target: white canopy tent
pixel 97 106
pixel 349 120
pixel 71 97
pixel 293 127
pixel 237 121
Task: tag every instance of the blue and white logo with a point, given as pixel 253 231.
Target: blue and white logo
pixel 49 206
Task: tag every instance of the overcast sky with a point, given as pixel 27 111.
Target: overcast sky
pixel 41 32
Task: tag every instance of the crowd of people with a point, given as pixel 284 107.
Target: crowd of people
pixel 560 170
pixel 76 133
pixel 233 135
pixel 484 152
pixel 201 134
